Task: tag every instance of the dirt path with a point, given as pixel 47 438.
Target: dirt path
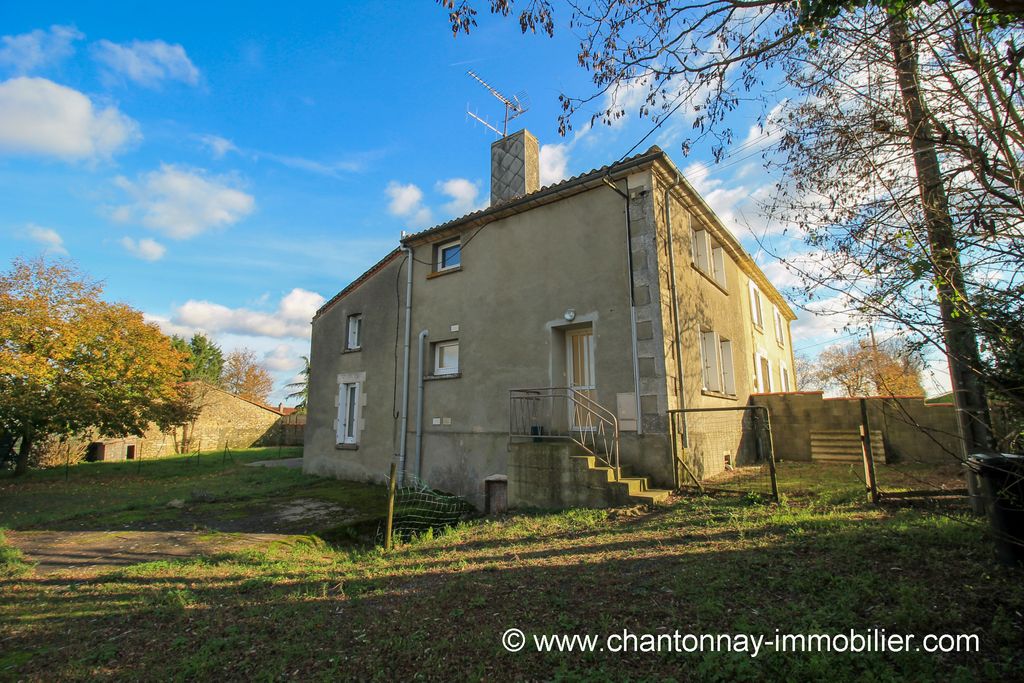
pixel 91 552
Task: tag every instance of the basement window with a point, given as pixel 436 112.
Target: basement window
pixel 448 256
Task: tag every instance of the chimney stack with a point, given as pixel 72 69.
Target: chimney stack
pixel 515 167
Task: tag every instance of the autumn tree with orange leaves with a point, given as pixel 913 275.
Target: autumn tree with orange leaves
pixel 71 362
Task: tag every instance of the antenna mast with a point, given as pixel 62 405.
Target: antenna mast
pixel 514 106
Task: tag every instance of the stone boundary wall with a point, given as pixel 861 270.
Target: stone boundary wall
pixel 913 430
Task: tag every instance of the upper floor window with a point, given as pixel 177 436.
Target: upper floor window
pixel 353 331
pixel 709 257
pixel 755 306
pixel 448 255
pixel 780 330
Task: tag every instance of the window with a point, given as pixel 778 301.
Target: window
pixel 348 413
pixel 728 376
pixel 709 257
pixel 755 306
pixel 718 261
pixel 716 363
pixel 762 373
pixel 780 333
pixel 448 255
pixel 353 329
pixel 784 374
pixel 446 358
pixel 702 250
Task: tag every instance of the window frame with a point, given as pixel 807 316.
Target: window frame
pixel 439 250
pixel 727 366
pixel 756 312
pixel 357 319
pixel 349 411
pixel 780 332
pixel 438 370
pixel 718 266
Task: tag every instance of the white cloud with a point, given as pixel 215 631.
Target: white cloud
pixel 464 194
pixel 182 203
pixel 291 319
pixel 146 62
pixel 217 145
pixel 38 116
pixel 145 249
pixel 282 358
pixel 554 160
pixel 407 201
pixel 38 49
pixel 51 240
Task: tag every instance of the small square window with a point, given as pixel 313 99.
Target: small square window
pixel 446 358
pixel 353 332
pixel 449 255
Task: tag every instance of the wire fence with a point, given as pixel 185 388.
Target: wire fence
pixel 725 450
pixel 414 508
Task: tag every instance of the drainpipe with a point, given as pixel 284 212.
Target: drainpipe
pixel 680 383
pixel 402 437
pixel 632 301
pixel 419 406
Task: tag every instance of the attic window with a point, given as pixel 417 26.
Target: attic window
pixel 448 256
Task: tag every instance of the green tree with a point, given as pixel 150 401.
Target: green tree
pixel 70 361
pixel 301 387
pixel 205 358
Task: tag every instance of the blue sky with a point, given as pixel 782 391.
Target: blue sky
pixel 226 167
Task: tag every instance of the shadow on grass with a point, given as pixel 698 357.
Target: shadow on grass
pixel 436 610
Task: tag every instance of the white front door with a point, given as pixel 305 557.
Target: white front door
pixel 579 359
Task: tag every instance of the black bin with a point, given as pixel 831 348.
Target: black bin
pixel 1002 488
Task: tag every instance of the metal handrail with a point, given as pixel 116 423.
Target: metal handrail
pixel 589 424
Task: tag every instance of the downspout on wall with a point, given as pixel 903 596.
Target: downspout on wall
pixel 680 375
pixel 418 467
pixel 632 302
pixel 680 383
pixel 404 422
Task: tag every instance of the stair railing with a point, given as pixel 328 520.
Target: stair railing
pixel 563 413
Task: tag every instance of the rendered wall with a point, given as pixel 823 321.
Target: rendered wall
pixel 914 432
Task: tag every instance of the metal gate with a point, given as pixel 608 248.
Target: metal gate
pixel 725 449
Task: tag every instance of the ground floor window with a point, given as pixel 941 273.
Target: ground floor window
pixel 717 365
pixel 348 412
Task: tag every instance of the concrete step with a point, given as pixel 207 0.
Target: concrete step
pixel 650 496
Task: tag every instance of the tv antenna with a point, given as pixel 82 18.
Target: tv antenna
pixel 514 106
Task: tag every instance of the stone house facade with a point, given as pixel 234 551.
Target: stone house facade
pixel 614 296
pixel 224 420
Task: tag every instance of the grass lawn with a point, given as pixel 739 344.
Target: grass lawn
pixel 822 562
pixel 215 489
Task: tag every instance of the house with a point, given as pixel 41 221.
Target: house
pixel 222 420
pixel 586 309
